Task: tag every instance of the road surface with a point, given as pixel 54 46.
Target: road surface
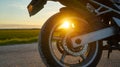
pixel 27 55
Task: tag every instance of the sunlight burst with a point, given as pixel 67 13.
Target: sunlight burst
pixel 66 24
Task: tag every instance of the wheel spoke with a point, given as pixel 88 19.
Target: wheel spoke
pixel 83 56
pixel 63 57
pixel 57 38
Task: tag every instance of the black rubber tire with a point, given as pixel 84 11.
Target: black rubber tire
pixel 44 47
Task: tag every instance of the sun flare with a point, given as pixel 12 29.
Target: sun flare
pixel 66 24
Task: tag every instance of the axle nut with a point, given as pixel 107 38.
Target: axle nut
pixel 77 41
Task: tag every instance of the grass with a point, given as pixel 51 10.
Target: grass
pixel 18 36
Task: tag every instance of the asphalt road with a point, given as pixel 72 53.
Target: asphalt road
pixel 27 55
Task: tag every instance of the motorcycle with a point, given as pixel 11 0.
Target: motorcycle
pixel 74 36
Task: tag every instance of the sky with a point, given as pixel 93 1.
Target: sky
pixel 14 14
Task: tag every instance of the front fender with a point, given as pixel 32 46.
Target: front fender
pixel 35 6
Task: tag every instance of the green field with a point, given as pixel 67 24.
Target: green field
pixel 18 36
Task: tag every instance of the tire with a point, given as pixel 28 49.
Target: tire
pixel 57 52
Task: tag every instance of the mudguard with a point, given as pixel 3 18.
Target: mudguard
pixel 35 6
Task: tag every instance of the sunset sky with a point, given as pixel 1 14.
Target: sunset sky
pixel 14 14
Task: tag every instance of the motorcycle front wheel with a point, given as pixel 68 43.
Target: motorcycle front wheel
pixel 56 48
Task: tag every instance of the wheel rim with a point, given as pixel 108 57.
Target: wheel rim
pixel 63 56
